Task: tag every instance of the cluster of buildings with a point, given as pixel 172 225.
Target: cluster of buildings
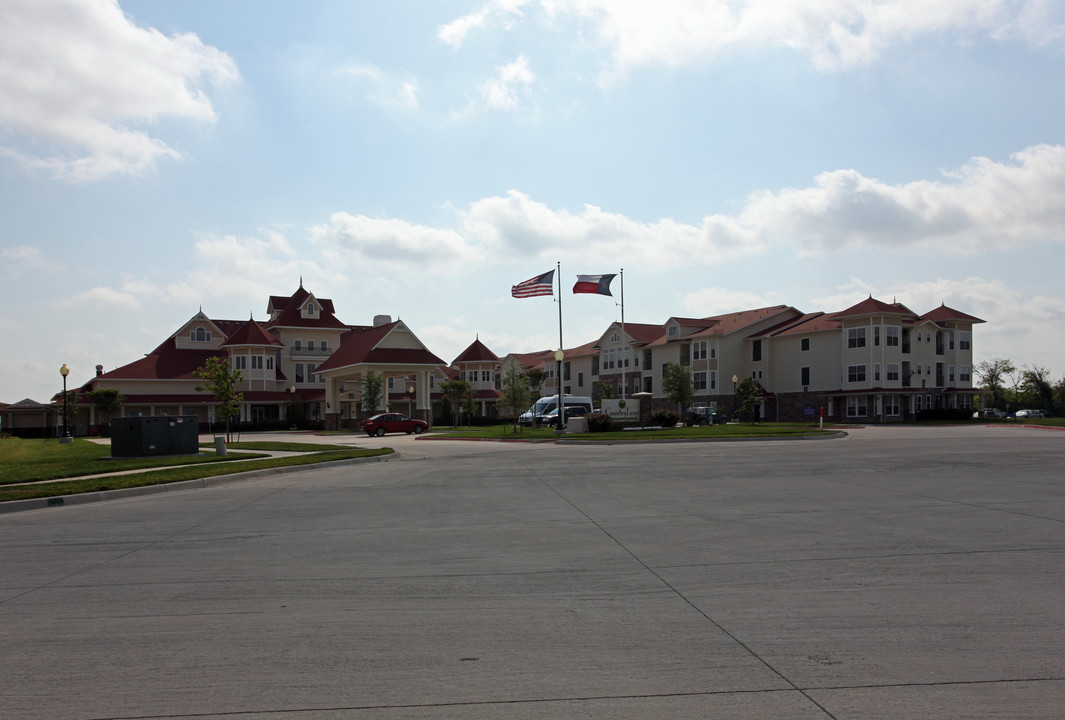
pixel 872 362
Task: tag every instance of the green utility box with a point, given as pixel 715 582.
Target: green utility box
pixel 153 436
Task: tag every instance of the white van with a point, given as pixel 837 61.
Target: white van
pixel 535 415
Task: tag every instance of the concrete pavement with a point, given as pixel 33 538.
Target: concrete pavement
pixel 898 573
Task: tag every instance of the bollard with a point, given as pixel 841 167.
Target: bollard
pixel 220 445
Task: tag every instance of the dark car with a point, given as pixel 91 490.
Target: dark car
pixel 551 419
pixel 393 422
pixel 705 416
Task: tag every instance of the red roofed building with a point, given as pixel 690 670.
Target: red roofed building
pixel 303 361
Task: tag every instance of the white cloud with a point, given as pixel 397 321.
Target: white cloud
pixel 509 90
pixel 836 34
pixel 100 77
pixel 454 33
pixel 357 241
pixel 717 300
pixel 385 90
pixel 21 258
pixel 981 207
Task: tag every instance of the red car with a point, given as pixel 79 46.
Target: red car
pixel 393 422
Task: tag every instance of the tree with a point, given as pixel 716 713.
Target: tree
pixel 515 387
pixel 536 381
pixel 1059 390
pixel 222 379
pixel 677 385
pixel 106 400
pixel 373 385
pixel 747 393
pixel 992 375
pixel 1035 385
pixel 605 389
pixel 455 391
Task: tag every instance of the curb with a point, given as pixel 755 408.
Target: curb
pixel 14 506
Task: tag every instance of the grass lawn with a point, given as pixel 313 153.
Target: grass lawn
pixel 28 461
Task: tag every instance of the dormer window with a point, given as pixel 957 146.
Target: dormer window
pixel 672 332
pixel 309 310
pixel 200 335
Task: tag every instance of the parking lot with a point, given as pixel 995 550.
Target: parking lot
pixel 899 572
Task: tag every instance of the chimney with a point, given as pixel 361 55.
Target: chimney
pixel 99 370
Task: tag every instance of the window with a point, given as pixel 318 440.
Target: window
pixel 672 331
pixel 804 377
pixel 391 383
pixel 256 362
pixel 615 338
pixel 965 341
pixel 608 360
pixel 299 372
pixel 857 406
pixel 892 372
pixel 312 377
pixel 580 379
pixel 269 362
pixel 297 345
pixel 891 405
pixel 713 350
pixel 876 336
pixel 699 350
pixel 965 374
pixel 699 380
pixel 713 379
pixel 856 338
pixel 756 351
pixel 950 341
pixel 200 335
pixel 324 346
pixel 891 336
pixel 432 381
pixel 240 362
pixel 804 344
pixel 856 373
pixel 950 373
pixel 876 372
pixel 623 357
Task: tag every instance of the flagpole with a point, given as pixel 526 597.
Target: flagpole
pixel 624 373
pixel 558 355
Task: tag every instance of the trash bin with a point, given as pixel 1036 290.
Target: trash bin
pixel 220 445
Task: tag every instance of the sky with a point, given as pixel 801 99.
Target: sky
pixel 417 158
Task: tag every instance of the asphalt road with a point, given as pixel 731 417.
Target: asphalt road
pixel 897 573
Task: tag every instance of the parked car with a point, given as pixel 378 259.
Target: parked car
pixel 1031 414
pixel 989 414
pixel 705 416
pixel 551 418
pixel 393 422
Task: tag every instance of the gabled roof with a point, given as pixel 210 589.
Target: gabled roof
pixel 723 324
pixel 27 404
pixel 872 306
pixel 476 352
pixel 166 362
pixel 808 323
pixel 252 333
pixel 289 315
pixel 945 314
pixel 360 346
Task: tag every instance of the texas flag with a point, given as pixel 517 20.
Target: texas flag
pixel 595 284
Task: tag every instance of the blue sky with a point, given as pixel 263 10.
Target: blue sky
pixel 417 159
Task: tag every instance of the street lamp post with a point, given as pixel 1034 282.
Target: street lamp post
pixel 734 381
pixel 410 398
pixel 64 371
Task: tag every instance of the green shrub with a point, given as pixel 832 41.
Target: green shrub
pixel 598 422
pixel 664 418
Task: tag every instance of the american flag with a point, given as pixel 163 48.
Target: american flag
pixel 539 285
